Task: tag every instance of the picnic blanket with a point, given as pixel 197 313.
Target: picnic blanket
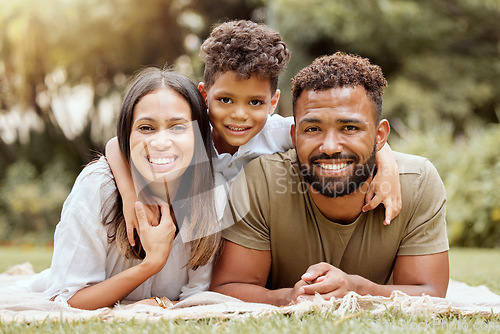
pixel 23 306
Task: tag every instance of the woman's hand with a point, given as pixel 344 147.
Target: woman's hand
pixel 129 213
pixel 156 240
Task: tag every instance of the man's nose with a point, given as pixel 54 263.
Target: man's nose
pixel 161 140
pixel 331 143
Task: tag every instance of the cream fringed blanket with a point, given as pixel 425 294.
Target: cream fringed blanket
pixel 20 306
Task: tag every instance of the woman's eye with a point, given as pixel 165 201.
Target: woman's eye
pixel 225 100
pixel 145 128
pixel 178 128
pixel 255 103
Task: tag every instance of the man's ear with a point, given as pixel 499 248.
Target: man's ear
pixel 201 88
pixel 383 130
pixel 274 101
pixel 293 134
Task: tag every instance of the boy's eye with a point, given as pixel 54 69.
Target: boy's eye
pixel 255 103
pixel 225 100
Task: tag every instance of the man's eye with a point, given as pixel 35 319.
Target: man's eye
pixel 312 129
pixel 225 100
pixel 255 103
pixel 350 128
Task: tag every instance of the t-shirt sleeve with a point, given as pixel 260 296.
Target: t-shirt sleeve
pixel 426 230
pixel 246 214
pixel 80 240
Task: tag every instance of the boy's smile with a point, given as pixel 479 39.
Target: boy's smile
pixel 238 109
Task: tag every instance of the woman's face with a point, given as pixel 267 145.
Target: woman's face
pixel 162 136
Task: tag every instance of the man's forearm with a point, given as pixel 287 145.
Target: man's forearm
pixel 366 287
pixel 255 294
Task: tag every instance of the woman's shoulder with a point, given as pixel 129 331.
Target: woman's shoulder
pixel 96 179
pixel 98 169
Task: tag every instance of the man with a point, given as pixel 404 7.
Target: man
pixel 300 228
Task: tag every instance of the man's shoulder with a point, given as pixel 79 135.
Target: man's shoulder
pixel 412 164
pixel 288 157
pixel 419 179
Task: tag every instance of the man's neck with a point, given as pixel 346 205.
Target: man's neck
pixel 341 210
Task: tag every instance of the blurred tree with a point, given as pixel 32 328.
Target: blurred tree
pixel 441 58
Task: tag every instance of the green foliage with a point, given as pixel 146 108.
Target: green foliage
pixel 31 202
pixel 470 169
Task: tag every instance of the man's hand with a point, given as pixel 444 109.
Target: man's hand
pixel 325 279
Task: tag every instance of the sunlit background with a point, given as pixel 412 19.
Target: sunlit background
pixel 64 65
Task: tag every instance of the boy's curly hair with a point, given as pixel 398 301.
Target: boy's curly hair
pixel 341 70
pixel 247 48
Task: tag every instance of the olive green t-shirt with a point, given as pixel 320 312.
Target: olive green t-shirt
pixel 273 211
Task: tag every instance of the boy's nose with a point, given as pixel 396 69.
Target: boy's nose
pixel 239 113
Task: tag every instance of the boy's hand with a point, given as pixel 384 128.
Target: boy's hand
pixel 157 240
pixel 152 215
pixel 385 189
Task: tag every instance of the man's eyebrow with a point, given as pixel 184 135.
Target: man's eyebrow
pixel 310 120
pixel 350 120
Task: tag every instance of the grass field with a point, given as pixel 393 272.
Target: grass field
pixel 473 266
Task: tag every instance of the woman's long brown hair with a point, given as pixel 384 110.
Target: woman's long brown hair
pixel 194 200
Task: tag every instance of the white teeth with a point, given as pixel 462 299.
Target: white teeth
pixel 161 161
pixel 235 129
pixel 333 166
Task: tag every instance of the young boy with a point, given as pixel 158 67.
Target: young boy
pixel 243 60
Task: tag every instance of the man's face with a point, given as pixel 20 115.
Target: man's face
pixel 238 108
pixel 335 137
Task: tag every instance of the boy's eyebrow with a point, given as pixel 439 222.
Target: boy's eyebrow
pixel 253 97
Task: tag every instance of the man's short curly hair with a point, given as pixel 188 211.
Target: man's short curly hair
pixel 247 48
pixel 341 70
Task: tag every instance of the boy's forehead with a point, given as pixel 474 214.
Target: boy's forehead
pixel 231 81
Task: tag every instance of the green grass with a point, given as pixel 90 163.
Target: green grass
pixel 473 266
pixel 476 267
pixel 39 256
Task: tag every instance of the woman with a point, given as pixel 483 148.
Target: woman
pixel 163 130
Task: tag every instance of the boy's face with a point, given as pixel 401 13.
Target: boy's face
pixel 238 109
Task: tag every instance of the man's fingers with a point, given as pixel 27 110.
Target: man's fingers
pixel 315 271
pixel 322 287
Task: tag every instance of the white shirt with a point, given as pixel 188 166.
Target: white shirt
pixel 274 137
pixel 84 257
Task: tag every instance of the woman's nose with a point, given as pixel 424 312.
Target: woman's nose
pixel 161 141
